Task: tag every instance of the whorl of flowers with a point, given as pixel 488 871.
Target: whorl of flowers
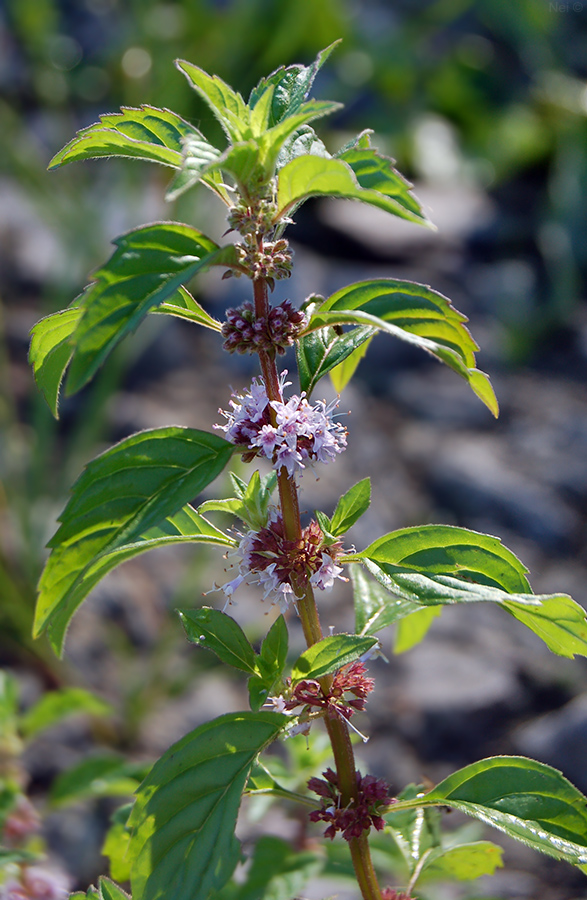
pixel 350 679
pixel 36 883
pixel 364 811
pixel 283 568
pixel 246 333
pixel 287 433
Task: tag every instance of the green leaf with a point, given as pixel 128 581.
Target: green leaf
pixel 51 350
pixel 243 162
pixel 117 842
pixel 413 628
pixel 251 504
pixel 449 550
pixel 528 800
pixel 183 305
pixel 147 268
pixel 184 526
pixel 91 894
pixel 317 176
pixel 344 371
pixel 375 172
pixel 98 776
pixel 231 505
pixel 110 891
pixel 115 848
pixel 464 862
pixel 321 351
pixel 55 706
pixel 239 486
pixel 261 781
pixel 324 523
pixel 273 655
pixel 147 133
pixel 221 634
pixel 183 821
pixel 14 856
pixel 131 488
pixel 555 618
pixel 416 832
pixel 227 105
pixel 272 141
pixel 330 654
pixel 9 720
pixel 260 113
pixel 291 86
pixel 198 155
pixel 302 142
pixel 351 507
pixel 270 662
pixel 415 314
pixel 257 499
pixel 252 162
pixel 277 872
pixel 375 607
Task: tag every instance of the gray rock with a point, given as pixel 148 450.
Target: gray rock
pixel 559 739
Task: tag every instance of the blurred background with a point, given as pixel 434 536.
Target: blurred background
pixel 484 106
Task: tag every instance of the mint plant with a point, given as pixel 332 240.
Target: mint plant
pixel 177 840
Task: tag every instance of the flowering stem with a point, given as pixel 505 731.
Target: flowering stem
pixel 337 729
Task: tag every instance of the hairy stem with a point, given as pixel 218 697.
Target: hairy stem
pixel 338 732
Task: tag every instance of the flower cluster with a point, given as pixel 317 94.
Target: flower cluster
pixel 246 333
pixel 360 814
pixel 282 567
pixel 28 882
pixel 36 883
pixel 289 434
pixel 350 679
pixel 22 821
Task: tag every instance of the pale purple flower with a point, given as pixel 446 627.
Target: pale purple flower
pixel 266 440
pixel 328 571
pixel 290 458
pixel 299 431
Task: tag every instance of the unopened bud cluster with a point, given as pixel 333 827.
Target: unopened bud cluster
pixel 269 260
pixel 254 219
pixel 365 810
pixel 246 333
